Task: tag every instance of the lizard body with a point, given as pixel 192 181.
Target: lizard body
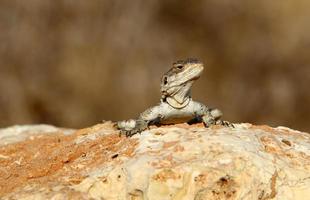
pixel 176 105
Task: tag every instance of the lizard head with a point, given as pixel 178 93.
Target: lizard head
pixel 177 82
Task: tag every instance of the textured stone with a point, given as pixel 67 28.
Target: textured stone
pixel 168 162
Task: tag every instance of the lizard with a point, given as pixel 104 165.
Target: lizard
pixel 176 104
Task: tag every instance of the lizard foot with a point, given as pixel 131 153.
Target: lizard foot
pixel 131 127
pixel 225 123
pixel 128 133
pixel 209 121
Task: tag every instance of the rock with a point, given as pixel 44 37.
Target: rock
pixel 168 162
pixel 18 133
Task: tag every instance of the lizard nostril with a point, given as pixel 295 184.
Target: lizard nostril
pixel 165 80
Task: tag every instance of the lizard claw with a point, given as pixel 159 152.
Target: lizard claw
pixel 127 133
pixel 225 123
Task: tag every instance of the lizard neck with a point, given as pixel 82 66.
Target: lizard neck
pixel 175 104
pixel 180 98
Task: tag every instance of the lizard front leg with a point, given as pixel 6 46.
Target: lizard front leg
pixel 132 127
pixel 210 116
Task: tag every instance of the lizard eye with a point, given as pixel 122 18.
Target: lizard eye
pixel 180 66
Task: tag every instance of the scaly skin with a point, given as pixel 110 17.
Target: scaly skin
pixel 176 105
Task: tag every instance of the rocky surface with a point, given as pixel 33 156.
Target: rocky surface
pixel 169 162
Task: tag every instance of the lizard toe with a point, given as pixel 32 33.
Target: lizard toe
pixel 225 123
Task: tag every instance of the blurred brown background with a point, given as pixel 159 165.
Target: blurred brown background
pixel 73 63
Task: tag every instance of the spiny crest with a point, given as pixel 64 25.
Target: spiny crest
pixel 187 61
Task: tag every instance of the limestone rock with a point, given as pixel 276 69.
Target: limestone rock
pixel 168 162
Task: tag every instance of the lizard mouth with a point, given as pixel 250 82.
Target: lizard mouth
pixel 179 86
pixel 191 80
pixel 194 78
